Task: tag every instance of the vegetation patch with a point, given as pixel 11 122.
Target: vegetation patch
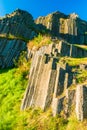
pixel 39 41
pixel 81 76
pixel 74 61
pixel 12 37
pixel 81 46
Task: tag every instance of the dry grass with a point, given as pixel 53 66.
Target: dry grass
pixel 81 46
pixel 38 42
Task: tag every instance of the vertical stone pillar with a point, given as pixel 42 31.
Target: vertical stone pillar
pixel 81 102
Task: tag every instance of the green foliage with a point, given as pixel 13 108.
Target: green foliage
pixel 21 60
pixel 81 76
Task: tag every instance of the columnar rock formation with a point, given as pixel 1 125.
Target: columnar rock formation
pixel 81 102
pixel 70 27
pixel 10 50
pixel 51 81
pixel 19 23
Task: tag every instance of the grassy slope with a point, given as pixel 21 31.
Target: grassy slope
pixel 12 87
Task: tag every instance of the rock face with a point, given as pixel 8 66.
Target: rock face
pixel 10 50
pixel 69 27
pixel 50 80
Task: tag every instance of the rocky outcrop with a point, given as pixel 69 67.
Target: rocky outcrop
pixel 61 48
pixel 15 29
pixel 47 78
pixel 19 23
pixel 69 27
pixel 50 80
pixel 20 26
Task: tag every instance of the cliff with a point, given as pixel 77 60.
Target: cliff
pixel 69 27
pixel 17 28
pixel 53 82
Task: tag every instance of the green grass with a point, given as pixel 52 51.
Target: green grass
pixel 12 87
pixel 74 61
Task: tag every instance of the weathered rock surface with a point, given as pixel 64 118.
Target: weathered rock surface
pixel 69 27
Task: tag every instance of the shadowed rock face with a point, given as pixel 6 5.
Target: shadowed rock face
pixel 15 29
pixel 69 27
pixel 19 23
pixel 10 50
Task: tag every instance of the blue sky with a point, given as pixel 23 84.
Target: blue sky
pixel 44 7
